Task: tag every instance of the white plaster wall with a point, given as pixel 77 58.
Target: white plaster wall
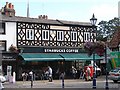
pixel 10 36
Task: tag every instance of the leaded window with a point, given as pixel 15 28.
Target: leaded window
pixel 45 35
pixel 73 36
pixel 60 35
pixel 29 34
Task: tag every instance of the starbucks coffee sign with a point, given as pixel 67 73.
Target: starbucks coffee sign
pixel 61 50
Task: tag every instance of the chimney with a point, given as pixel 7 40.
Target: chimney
pixel 2 10
pixel 10 5
pixel 7 5
pixel 8 9
pixel 43 17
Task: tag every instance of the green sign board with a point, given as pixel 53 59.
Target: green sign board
pixel 115 59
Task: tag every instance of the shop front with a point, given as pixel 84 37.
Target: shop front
pixel 8 63
pixel 56 58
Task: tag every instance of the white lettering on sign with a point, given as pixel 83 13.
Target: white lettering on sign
pixel 61 50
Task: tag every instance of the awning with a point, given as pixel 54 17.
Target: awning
pixel 57 56
pixel 80 56
pixel 41 56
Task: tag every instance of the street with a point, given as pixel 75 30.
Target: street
pixel 71 83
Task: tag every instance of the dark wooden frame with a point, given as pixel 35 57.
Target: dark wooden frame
pixel 38 41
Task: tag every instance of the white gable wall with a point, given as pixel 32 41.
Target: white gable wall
pixel 10 34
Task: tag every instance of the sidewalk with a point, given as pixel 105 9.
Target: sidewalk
pixel 68 83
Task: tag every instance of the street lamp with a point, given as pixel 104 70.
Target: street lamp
pixel 93 21
pixel 106 61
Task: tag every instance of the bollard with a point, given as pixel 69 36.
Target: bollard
pixel 14 75
pixel 62 80
pixel 31 80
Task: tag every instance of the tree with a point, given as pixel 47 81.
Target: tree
pixel 95 47
pixel 107 28
pixel 13 49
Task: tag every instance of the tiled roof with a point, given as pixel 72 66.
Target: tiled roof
pixel 115 41
pixel 45 21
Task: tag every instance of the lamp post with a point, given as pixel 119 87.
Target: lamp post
pixel 93 21
pixel 106 61
pixel 63 71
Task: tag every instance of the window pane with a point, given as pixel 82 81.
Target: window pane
pixel 46 34
pixel 43 34
pixel 27 34
pixel 2 45
pixel 2 28
pixel 30 34
pixel 60 35
pixel 74 36
pixel 85 36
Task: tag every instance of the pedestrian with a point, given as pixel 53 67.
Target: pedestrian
pixel 88 72
pixel 50 74
pixel 81 73
pixel 24 76
pixel 74 72
pixel 31 75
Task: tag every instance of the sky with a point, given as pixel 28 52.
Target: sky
pixel 70 10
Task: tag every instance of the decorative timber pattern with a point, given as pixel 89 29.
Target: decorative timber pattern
pixel 32 34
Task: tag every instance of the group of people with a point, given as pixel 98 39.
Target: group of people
pixel 83 73
pixel 48 74
pixel 31 75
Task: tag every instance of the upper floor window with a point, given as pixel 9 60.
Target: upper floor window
pixel 60 35
pixel 2 28
pixel 86 36
pixel 73 36
pixel 45 35
pixel 30 34
pixel 3 45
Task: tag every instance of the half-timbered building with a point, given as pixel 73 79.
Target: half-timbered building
pixel 42 41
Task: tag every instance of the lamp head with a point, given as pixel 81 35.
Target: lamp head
pixel 93 20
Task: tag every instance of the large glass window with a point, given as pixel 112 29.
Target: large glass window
pixel 45 35
pixel 30 34
pixel 60 35
pixel 3 45
pixel 73 36
pixel 2 28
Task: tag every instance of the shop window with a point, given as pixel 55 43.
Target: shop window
pixel 30 34
pixel 2 28
pixel 60 35
pixel 73 36
pixel 3 45
pixel 45 35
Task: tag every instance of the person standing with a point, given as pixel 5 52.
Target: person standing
pixel 88 72
pixel 50 74
pixel 74 72
pixel 24 76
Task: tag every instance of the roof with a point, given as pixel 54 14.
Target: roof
pixel 115 41
pixel 44 21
